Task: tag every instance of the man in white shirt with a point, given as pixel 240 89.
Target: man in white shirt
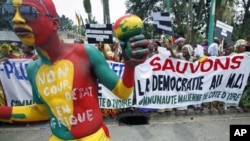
pixel 198 51
pixel 213 49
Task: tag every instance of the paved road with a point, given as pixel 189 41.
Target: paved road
pixel 164 127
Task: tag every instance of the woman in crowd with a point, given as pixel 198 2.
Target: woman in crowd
pixel 180 42
pixel 187 55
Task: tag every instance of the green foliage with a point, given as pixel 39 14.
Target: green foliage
pixel 87 6
pixel 88 10
pixel 181 21
pixel 65 23
pixel 184 18
pixel 2 2
pixel 143 8
pixel 4 25
pixel 190 17
pixel 242 30
pixel 245 98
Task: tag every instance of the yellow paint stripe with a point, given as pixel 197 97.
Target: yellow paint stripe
pixel 122 91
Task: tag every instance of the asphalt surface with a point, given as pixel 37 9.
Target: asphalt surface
pixel 159 127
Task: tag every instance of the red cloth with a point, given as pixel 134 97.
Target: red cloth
pixel 5 112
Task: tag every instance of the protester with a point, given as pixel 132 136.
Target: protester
pixel 64 77
pixel 28 52
pixel 106 51
pixel 213 49
pixel 16 50
pixel 187 55
pixel 167 43
pixel 153 48
pixel 109 55
pixel 198 51
pixel 204 44
pixel 2 95
pixel 228 50
pixel 180 42
pixel 6 52
pixel 117 51
pixel 79 41
pixel 163 37
pixel 240 48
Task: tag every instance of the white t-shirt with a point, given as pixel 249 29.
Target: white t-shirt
pixel 199 51
pixel 213 49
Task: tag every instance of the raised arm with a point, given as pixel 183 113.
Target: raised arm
pixel 29 113
pixel 121 87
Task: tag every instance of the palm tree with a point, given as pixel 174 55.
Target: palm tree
pixel 88 10
pixel 106 14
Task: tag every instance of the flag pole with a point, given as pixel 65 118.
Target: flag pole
pixel 168 6
pixel 211 22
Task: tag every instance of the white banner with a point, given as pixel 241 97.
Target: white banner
pixel 163 82
pixel 160 82
pixel 15 83
pixel 106 98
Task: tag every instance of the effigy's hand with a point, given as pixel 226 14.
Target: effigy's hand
pixel 128 29
pixel 135 50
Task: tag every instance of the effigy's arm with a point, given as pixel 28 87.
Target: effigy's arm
pixel 23 114
pixel 28 113
pixel 121 87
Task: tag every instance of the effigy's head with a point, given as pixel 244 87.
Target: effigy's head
pixel 43 6
pixel 32 20
pixel 127 26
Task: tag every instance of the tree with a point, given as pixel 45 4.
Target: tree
pixel 106 14
pixel 242 30
pixel 4 25
pixel 88 10
pixel 188 17
pixel 191 17
pixel 143 9
pixel 65 23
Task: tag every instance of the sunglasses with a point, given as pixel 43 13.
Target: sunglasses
pixel 29 13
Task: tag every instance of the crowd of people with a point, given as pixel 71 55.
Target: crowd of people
pixel 14 50
pixel 192 52
pixel 178 48
pixel 181 49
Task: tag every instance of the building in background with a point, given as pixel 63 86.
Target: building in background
pixel 69 37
